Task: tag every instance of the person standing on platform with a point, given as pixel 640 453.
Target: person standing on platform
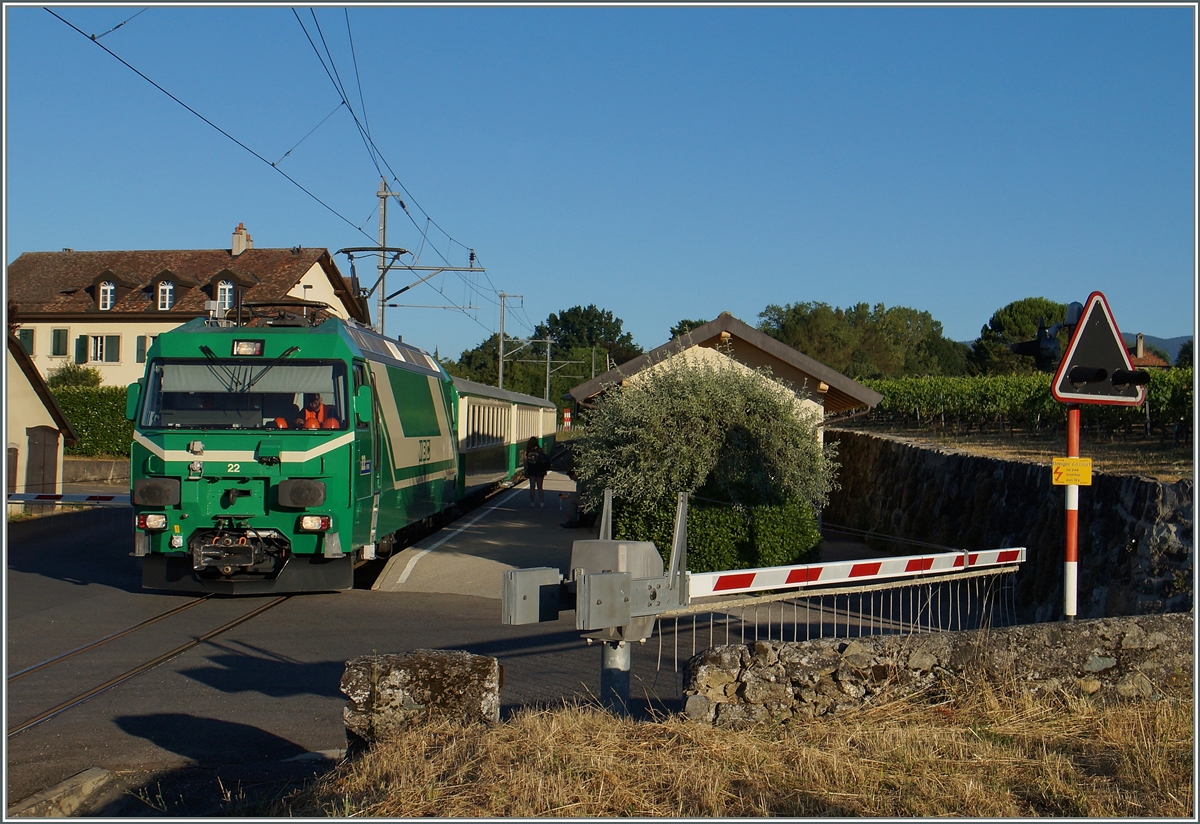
pixel 537 464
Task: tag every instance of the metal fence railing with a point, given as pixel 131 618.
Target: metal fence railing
pixel 969 599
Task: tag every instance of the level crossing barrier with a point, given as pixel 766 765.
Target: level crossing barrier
pixel 949 591
pixel 52 499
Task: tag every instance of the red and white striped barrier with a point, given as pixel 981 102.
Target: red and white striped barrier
pixel 701 584
pixel 47 498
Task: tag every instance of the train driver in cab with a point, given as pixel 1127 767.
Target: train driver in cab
pixel 315 414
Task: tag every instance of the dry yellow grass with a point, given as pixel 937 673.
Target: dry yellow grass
pixel 977 751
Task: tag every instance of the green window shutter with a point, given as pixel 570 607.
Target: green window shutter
pixel 81 349
pixel 141 348
pixel 25 336
pixel 58 342
pixel 112 348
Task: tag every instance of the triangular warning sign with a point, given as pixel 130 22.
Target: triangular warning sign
pixel 1095 354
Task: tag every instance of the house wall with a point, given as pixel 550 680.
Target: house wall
pixel 122 372
pixel 321 290
pixel 25 409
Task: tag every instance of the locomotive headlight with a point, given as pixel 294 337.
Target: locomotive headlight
pixel 152 521
pixel 247 347
pixel 315 523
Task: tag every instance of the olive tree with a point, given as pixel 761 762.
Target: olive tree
pixel 742 444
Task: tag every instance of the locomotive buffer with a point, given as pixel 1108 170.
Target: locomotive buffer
pixel 616 589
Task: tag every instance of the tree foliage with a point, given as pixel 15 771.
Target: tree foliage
pixel 1013 323
pixel 582 327
pixel 683 327
pixel 1184 358
pixel 73 374
pixel 735 438
pixel 584 339
pixel 864 341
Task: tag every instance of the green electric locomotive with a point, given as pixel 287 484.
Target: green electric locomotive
pixel 270 458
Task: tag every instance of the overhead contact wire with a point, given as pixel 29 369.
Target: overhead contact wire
pixel 286 176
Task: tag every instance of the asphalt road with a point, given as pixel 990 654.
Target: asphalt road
pixel 239 706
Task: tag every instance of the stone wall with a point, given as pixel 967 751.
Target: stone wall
pixel 1135 534
pixel 1106 658
pixel 392 692
pixel 95 470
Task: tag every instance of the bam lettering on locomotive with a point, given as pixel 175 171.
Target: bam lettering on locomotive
pixel 270 455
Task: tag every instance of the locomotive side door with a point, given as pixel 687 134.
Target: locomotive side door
pixel 366 466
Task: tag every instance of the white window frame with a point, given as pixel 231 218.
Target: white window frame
pixel 108 295
pixel 225 295
pixel 166 295
pixel 95 348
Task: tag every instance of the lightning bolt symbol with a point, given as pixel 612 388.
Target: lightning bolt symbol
pixel 1058 473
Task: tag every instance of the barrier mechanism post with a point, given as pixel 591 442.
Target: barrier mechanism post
pixel 615 658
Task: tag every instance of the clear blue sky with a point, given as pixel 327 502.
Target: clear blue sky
pixel 662 163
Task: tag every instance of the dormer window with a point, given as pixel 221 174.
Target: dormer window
pixel 166 295
pixel 108 295
pixel 225 295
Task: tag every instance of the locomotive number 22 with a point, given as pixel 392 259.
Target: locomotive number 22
pixel 234 467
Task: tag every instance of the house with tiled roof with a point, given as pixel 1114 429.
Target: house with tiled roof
pixel 1143 358
pixel 103 309
pixel 727 339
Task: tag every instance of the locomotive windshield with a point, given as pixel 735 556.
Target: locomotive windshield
pixel 209 394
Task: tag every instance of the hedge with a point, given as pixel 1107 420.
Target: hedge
pixel 97 414
pixel 722 537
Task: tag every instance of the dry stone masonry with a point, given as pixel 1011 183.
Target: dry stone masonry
pixel 389 693
pixel 1135 534
pixel 1108 658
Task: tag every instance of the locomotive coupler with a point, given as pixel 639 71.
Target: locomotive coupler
pixel 236 547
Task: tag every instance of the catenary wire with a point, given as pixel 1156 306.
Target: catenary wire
pixel 314 128
pixel 286 176
pixel 377 156
pixel 114 28
pixel 357 78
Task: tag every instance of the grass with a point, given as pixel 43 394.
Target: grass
pixel 1114 455
pixel 974 750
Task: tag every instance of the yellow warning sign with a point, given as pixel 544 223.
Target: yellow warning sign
pixel 1076 471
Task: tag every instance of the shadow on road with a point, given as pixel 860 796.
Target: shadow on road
pixel 90 546
pixel 233 673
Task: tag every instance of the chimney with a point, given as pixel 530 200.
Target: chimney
pixel 241 240
pixel 1140 352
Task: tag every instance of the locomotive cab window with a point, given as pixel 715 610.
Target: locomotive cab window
pixel 246 394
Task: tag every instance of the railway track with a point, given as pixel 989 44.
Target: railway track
pixel 134 671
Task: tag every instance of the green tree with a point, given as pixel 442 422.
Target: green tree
pixel 684 326
pixel 1013 323
pixel 1184 358
pixel 865 341
pixel 583 327
pixel 731 436
pixel 73 375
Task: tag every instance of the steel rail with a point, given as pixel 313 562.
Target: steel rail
pixel 49 661
pixel 112 682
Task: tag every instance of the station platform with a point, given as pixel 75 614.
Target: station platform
pixel 469 556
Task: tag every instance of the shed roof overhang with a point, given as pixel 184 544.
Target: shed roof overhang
pixel 752 348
